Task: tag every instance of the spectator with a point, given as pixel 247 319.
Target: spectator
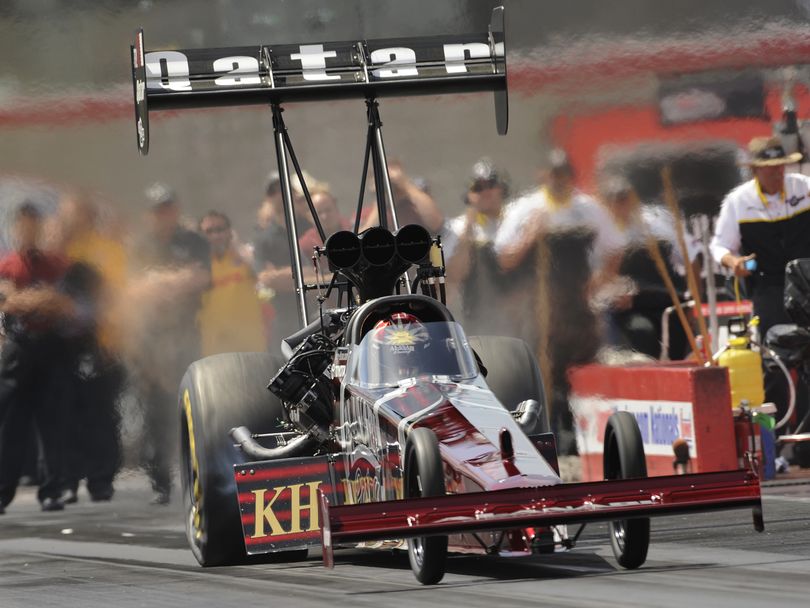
pixel 172 269
pixel 329 215
pixel 414 204
pixel 34 361
pixel 563 241
pixel 272 256
pixel 637 297
pixel 557 207
pixel 765 220
pixel 230 317
pixel 96 278
pixel 470 259
pixel 762 220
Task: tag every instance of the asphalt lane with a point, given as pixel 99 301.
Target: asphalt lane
pixel 128 553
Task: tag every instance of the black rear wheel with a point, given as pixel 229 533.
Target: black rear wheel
pixel 218 393
pixel 424 476
pixel 512 373
pixel 624 459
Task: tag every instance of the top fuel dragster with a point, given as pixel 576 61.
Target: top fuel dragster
pixel 383 420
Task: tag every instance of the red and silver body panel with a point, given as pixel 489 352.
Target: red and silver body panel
pixel 356 495
pixel 539 507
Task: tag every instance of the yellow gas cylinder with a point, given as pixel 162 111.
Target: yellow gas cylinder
pixel 744 372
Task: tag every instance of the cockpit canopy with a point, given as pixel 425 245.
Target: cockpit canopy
pixel 403 348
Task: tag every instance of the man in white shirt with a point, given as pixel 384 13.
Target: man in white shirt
pixel 763 224
pixel 556 207
pixel 558 243
pixel 469 257
pixel 637 298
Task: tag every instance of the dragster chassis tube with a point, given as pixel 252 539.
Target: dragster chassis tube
pixel 538 506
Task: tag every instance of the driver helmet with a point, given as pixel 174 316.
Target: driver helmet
pixel 401 341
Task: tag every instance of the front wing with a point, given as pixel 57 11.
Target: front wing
pixel 538 506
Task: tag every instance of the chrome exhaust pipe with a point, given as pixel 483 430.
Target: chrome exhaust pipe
pixel 300 446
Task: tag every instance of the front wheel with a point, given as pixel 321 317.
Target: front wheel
pixel 624 459
pixel 424 476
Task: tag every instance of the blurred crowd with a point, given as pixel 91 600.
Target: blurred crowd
pixel 93 311
pixel 567 271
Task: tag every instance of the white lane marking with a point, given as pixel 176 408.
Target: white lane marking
pixel 766 498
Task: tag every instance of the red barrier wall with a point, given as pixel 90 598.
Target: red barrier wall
pixel 669 401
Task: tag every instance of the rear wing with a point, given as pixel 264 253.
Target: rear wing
pixel 266 74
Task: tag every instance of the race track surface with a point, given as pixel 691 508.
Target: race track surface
pixel 128 553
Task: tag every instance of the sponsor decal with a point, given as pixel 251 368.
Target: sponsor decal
pixel 278 500
pixel 363 487
pixel 240 71
pixel 691 105
pixel 729 309
pixel 456 54
pixel 660 423
pixel 314 64
pixel 313 61
pixel 167 70
pixel 141 133
pixel 302 508
pixel 402 337
pixel 400 61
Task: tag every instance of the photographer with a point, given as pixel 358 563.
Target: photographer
pixel 34 361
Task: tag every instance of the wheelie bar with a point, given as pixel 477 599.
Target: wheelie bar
pixel 538 506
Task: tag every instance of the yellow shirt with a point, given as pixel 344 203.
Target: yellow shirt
pixel 109 259
pixel 106 255
pixel 230 319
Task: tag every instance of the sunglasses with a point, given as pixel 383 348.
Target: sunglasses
pixel 483 184
pixel 216 229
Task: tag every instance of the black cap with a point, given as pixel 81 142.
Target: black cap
pixel 159 194
pixel 272 185
pixel 485 172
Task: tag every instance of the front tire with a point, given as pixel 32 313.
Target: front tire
pixel 216 394
pixel 424 476
pixel 624 459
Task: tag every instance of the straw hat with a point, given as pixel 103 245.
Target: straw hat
pixel 768 152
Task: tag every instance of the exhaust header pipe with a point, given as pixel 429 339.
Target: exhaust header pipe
pixel 297 447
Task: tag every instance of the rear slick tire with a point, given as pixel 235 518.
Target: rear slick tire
pixel 624 459
pixel 512 373
pixel 424 476
pixel 216 394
